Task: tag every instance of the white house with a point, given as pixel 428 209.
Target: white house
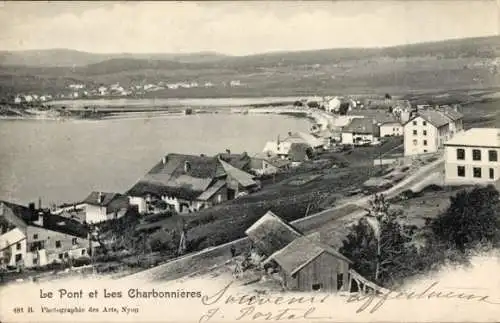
pixel 360 130
pixel 333 105
pixel 391 128
pixel 471 157
pixel 12 247
pixel 101 206
pixel 429 130
pixel 18 99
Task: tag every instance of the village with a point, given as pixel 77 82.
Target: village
pixel 291 203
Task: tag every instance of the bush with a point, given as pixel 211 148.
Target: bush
pixel 81 261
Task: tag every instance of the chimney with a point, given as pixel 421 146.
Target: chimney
pixel 187 167
pixel 39 203
pixel 100 198
pixel 39 220
pixel 32 208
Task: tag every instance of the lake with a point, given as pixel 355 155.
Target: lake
pixel 203 102
pixel 63 161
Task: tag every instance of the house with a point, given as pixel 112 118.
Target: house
pixel 241 161
pixel 101 206
pixel 471 157
pixel 304 263
pixel 293 149
pixel 189 183
pixel 317 144
pixel 360 130
pixel 391 128
pixel 429 129
pixel 37 238
pixel 18 99
pixel 263 164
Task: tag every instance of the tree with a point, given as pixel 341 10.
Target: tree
pixel 472 218
pixel 381 247
pixel 344 107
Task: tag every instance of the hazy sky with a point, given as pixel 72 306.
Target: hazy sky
pixel 238 28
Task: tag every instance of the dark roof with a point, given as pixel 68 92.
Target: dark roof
pixel 169 177
pixel 436 118
pixel 300 252
pixel 240 161
pixel 61 224
pixel 452 114
pixel 298 152
pixel 107 198
pixel 23 217
pixel 270 233
pixel 361 125
pixel 22 213
pixel 243 178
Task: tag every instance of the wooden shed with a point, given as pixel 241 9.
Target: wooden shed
pixel 308 265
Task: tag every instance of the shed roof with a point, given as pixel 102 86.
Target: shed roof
pixel 270 233
pixel 298 253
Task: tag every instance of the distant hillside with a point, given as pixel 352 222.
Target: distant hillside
pixel 73 58
pixel 447 64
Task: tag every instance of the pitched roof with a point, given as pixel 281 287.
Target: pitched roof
pixel 278 162
pixel 239 161
pixel 434 117
pixel 270 233
pixel 64 225
pixel 486 137
pixel 298 152
pixel 301 251
pixel 361 125
pixel 211 190
pixel 107 198
pixel 243 178
pixel 452 113
pixel 19 215
pixel 11 237
pixel 169 176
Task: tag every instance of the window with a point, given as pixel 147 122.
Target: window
pixel 74 241
pixel 414 132
pixel 414 123
pixel 58 244
pixel 477 172
pixel 492 155
pixel 492 173
pixel 461 171
pixel 65 255
pixel 425 142
pixel 35 236
pixel 18 246
pixel 19 257
pixel 425 132
pixel 60 256
pixel 83 252
pixel 35 261
pixel 316 287
pixel 415 142
pixel 476 154
pixel 424 123
pixel 461 154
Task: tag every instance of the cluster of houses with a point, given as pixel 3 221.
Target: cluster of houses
pixel 32 98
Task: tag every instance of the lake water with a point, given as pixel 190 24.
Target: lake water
pixel 62 161
pixel 203 102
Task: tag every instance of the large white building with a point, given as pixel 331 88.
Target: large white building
pixel 430 129
pixel 471 157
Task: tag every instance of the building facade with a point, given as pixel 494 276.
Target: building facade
pixel 429 129
pixel 391 129
pixel 472 157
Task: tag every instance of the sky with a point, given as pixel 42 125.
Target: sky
pixel 239 28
